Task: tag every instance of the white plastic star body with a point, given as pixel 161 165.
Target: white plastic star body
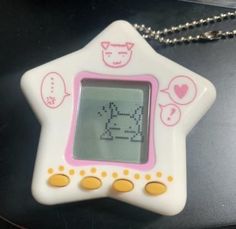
pixel 118 100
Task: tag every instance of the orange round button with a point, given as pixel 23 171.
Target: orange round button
pixel 155 188
pixel 59 180
pixel 123 185
pixel 90 183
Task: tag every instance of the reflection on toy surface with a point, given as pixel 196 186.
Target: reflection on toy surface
pixel 127 126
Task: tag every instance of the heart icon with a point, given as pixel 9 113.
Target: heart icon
pixel 181 91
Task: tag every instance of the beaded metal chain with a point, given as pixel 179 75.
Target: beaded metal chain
pixel 161 35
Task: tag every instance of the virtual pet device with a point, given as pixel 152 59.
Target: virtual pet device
pixel 114 118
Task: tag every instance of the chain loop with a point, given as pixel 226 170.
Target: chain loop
pixel 160 35
pixel 211 35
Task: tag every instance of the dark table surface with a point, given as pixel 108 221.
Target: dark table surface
pixel 34 32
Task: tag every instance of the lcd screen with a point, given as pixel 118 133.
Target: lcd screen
pixel 112 122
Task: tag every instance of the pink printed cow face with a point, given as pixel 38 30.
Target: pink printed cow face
pixel 116 55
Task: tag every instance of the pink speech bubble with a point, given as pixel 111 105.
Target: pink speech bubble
pixel 53 90
pixel 182 90
pixel 170 114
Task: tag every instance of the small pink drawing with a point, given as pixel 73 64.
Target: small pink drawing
pixel 116 55
pixel 181 90
pixel 51 100
pixel 170 114
pixel 53 90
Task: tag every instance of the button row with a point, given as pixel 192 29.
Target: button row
pixel 120 185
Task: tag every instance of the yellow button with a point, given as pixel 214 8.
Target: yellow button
pixel 59 180
pixel 90 183
pixel 155 188
pixel 122 185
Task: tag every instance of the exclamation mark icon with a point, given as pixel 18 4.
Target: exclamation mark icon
pixel 173 110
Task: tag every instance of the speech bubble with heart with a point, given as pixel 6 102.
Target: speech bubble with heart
pixel 182 90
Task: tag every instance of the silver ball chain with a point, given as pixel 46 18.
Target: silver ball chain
pixel 160 35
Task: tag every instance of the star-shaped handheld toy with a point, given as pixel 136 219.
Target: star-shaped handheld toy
pixel 114 118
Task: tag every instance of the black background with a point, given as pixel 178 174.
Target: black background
pixel 35 32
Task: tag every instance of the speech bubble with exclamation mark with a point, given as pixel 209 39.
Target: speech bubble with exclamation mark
pixel 170 114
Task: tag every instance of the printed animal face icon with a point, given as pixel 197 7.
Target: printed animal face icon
pixel 123 125
pixel 116 55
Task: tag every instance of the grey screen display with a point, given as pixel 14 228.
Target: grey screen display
pixel 112 122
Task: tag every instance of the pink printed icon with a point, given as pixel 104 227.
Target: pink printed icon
pixel 116 55
pixel 53 90
pixel 170 114
pixel 182 90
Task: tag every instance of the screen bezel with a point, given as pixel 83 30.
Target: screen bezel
pixel 145 78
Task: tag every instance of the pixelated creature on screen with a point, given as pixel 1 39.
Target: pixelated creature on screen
pixel 121 125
